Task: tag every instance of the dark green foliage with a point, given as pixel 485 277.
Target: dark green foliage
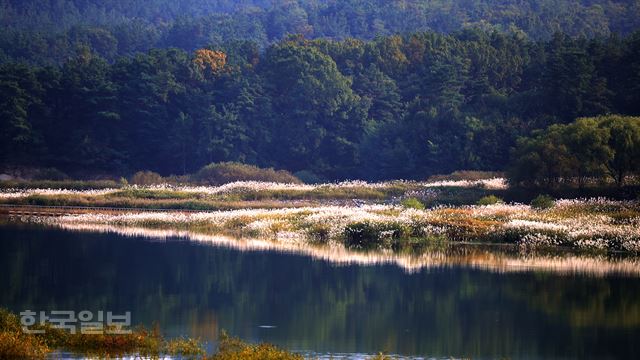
pixel 587 150
pixel 394 107
pixel 490 200
pixel 46 31
pixel 56 184
pixel 412 203
pixel 466 175
pixel 362 235
pixel 624 146
pixel 309 177
pixel 52 174
pixel 543 202
pixel 320 118
pixel 397 236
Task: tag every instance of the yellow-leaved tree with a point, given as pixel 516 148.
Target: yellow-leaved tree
pixel 211 61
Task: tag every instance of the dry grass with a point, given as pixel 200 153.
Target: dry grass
pixel 329 213
pixel 15 344
pixel 235 349
pixel 598 225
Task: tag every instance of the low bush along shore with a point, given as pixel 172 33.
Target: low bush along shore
pixel 142 342
pixel 399 222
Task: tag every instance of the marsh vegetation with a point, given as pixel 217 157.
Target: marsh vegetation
pixel 141 343
pixel 398 216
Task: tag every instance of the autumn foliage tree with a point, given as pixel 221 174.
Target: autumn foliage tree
pixel 210 61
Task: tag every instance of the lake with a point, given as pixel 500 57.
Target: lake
pixel 318 307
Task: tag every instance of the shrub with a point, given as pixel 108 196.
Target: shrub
pixel 490 200
pixel 412 203
pixel 50 174
pixel 146 178
pixel 309 177
pixel 362 235
pixel 14 343
pixel 542 202
pixel 319 233
pixel 222 173
pixel 234 349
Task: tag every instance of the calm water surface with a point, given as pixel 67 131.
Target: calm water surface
pixel 316 307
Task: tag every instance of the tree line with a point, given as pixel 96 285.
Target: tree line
pixel 393 107
pixel 44 32
pixel 592 149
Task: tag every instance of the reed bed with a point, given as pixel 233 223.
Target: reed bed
pixel 21 193
pixel 260 190
pixel 589 224
pixel 356 214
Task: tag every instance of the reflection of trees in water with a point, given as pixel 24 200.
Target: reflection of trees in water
pixel 612 302
pixel 316 306
pixel 204 324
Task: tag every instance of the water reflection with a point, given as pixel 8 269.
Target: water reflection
pixel 311 305
pixel 498 258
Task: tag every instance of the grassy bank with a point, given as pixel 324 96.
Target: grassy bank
pixel 59 184
pixel 398 215
pixel 142 342
pixel 211 197
pixel 150 204
pixel 448 190
pixel 594 225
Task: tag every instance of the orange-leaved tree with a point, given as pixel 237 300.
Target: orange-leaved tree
pixel 212 61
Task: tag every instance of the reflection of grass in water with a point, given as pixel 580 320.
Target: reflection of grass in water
pixel 416 254
pixel 15 344
pixel 420 245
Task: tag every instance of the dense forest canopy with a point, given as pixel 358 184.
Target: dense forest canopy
pixel 394 107
pixel 372 89
pixel 50 31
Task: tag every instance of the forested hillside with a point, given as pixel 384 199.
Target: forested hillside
pixel 394 107
pixel 43 31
